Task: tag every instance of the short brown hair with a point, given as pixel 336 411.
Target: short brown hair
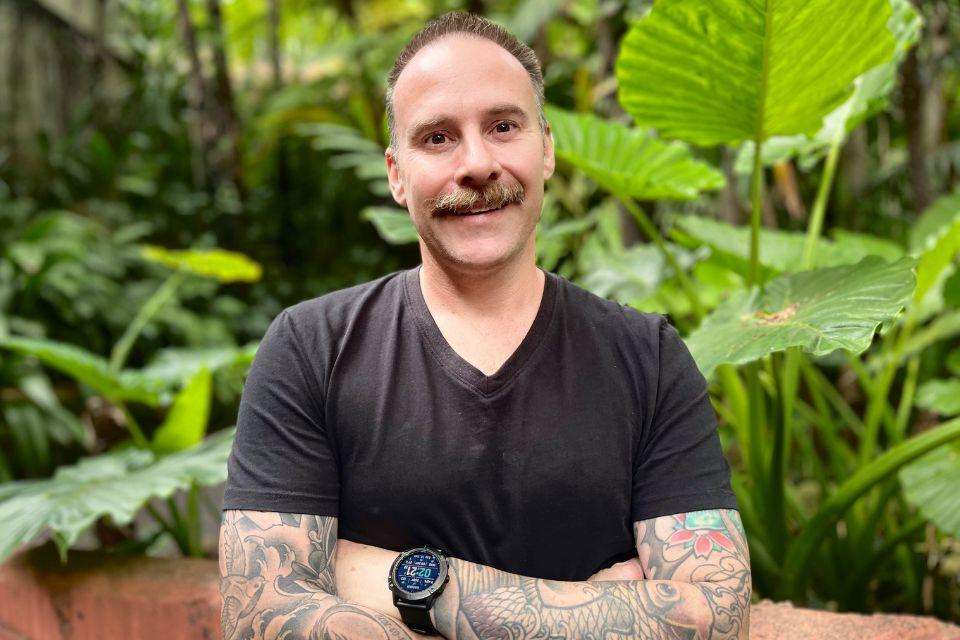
pixel 471 24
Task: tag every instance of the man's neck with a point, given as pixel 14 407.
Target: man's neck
pixel 499 293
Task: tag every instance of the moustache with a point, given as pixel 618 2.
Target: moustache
pixel 492 196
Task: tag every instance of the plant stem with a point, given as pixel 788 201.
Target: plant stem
pixel 780 456
pixel 120 351
pixel 756 201
pixel 906 400
pixel 651 230
pixel 133 427
pixel 783 434
pixel 193 521
pixel 820 204
pixel 857 581
pixel 886 465
pixel 159 518
pixel 179 530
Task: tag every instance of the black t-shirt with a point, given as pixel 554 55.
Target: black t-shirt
pixel 356 406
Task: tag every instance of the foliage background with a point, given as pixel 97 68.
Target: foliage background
pixel 257 127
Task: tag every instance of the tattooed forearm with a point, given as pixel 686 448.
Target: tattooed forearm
pixel 277 581
pixel 692 590
pixel 708 548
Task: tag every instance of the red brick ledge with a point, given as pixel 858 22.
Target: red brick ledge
pixel 782 621
pixel 96 598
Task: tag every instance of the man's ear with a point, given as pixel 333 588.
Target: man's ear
pixel 393 175
pixel 549 161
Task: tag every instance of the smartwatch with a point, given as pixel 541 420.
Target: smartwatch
pixel 417 577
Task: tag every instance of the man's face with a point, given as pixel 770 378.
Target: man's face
pixel 469 138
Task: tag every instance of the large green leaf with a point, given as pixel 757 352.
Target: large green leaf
pixel 116 484
pixel 221 265
pixel 393 225
pixel 870 95
pixel 820 310
pixel 186 422
pixel 732 70
pixel 629 162
pixel 931 483
pixel 88 368
pixel 783 250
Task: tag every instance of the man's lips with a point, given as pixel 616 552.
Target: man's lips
pixel 467 214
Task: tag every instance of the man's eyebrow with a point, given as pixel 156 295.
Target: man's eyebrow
pixel 499 110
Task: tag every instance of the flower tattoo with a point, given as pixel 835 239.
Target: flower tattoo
pixel 701 530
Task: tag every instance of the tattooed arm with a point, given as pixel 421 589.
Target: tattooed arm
pixel 697 585
pixel 277 580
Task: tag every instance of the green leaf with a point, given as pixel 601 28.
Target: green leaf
pixel 529 16
pixel 393 225
pixel 171 367
pixel 116 484
pixel 820 310
pixel 942 396
pixel 88 368
pixel 870 96
pixel 934 222
pixel 629 162
pixel 557 238
pixel 626 277
pixel 351 151
pixel 930 484
pixel 951 291
pixel 221 265
pixel 782 251
pixel 935 261
pixel 953 362
pixel 797 562
pixel 850 244
pixel 186 423
pixel 733 70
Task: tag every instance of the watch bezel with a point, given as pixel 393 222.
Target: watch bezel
pixel 417 596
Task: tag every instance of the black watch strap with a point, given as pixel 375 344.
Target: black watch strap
pixel 416 616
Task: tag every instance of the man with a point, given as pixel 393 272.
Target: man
pixel 537 434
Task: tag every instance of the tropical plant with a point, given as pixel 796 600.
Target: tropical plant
pixel 121 482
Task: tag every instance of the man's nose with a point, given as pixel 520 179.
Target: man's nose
pixel 478 165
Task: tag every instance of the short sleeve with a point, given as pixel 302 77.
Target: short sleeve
pixel 282 459
pixel 679 466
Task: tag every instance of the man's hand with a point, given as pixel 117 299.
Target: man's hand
pixel 626 570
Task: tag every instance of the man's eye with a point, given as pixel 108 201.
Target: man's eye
pixel 436 138
pixel 504 124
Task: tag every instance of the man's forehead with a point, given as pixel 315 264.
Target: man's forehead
pixel 460 70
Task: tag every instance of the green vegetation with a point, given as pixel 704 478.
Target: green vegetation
pixel 783 183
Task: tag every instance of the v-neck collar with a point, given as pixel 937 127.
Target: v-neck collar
pixel 457 365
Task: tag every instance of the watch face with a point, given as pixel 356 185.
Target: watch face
pixel 417 572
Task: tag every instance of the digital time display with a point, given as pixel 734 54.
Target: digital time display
pixel 417 572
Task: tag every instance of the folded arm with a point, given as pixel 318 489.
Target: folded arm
pixel 277 580
pixel 697 585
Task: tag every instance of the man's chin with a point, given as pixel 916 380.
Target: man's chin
pixel 471 260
